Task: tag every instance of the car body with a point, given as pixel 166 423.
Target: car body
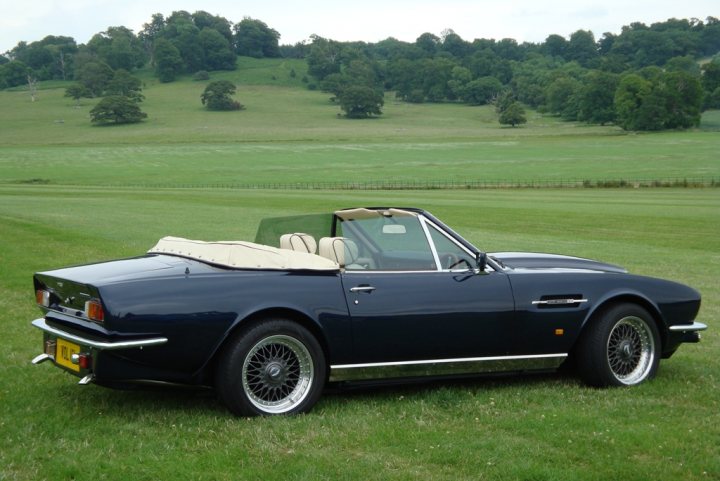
pixel 391 294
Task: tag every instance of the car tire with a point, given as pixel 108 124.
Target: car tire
pixel 620 347
pixel 273 367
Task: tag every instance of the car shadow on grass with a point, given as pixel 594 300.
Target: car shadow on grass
pixel 165 400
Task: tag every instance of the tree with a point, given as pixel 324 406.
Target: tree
pixel 184 35
pixel 116 109
pixel 119 48
pixel 683 100
pixel 582 48
pixel 13 73
pixel 324 57
pixel 562 95
pixel 253 38
pixel 711 84
pixel 77 91
pixel 168 63
pixel 596 97
pixel 95 76
pixel 555 46
pixel 504 100
pixel 428 43
pixel 361 101
pixel 222 25
pixel 513 115
pixel 151 32
pixel 668 100
pixel 217 96
pixel 126 85
pixel 630 95
pixel 481 91
pixel 218 54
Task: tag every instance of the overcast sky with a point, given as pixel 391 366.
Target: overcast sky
pixel 368 20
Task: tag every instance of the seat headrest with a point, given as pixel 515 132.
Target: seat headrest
pixel 339 249
pixel 299 242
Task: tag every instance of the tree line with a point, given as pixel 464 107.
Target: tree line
pixel 644 78
pixel 181 43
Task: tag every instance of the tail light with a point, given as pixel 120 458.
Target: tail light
pixel 94 311
pixel 43 298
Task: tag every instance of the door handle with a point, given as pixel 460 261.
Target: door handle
pixel 367 289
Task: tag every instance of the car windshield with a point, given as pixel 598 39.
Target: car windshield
pixel 369 239
pixel 386 240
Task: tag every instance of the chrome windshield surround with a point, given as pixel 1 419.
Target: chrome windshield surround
pixel 444 367
pixel 428 237
pixel 695 326
pixel 99 345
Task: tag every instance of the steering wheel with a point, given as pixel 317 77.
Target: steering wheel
pixel 450 261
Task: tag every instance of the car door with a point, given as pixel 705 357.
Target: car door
pixel 416 316
pixel 415 294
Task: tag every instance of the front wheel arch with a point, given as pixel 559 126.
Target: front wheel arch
pixel 640 301
pixel 619 346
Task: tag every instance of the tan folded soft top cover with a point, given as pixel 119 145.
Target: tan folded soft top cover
pixel 242 255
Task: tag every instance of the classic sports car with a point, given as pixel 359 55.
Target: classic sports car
pixel 364 294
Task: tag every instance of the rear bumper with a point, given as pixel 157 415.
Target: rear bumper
pixel 77 354
pixel 99 345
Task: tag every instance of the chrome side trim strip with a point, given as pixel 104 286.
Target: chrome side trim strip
pixel 558 302
pixel 443 367
pixel 695 326
pixel 43 326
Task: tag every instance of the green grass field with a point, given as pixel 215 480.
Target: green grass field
pixel 548 427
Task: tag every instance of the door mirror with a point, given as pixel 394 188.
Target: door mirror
pixel 481 261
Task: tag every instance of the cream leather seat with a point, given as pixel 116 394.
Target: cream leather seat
pixel 299 242
pixel 341 250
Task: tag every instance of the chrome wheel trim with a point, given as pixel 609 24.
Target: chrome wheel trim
pixel 277 374
pixel 631 350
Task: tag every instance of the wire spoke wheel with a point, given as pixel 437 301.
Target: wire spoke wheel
pixel 277 374
pixel 631 350
pixel 620 346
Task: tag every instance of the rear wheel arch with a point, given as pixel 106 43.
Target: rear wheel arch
pixel 270 364
pixel 257 317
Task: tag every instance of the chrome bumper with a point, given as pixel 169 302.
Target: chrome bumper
pixel 688 332
pixel 695 326
pixel 99 345
pixel 87 375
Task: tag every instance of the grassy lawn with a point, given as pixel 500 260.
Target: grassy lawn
pixel 547 427
pixel 532 427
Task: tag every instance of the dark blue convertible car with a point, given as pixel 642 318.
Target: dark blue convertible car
pixel 367 294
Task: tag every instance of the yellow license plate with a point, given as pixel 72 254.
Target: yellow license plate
pixel 63 354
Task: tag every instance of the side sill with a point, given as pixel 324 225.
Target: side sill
pixel 444 367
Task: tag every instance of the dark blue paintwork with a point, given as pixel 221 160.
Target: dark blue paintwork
pixel 409 316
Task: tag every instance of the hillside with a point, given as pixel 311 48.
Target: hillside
pixel 289 128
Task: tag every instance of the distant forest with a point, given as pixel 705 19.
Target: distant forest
pixel 660 76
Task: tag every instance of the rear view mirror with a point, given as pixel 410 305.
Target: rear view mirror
pixel 393 229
